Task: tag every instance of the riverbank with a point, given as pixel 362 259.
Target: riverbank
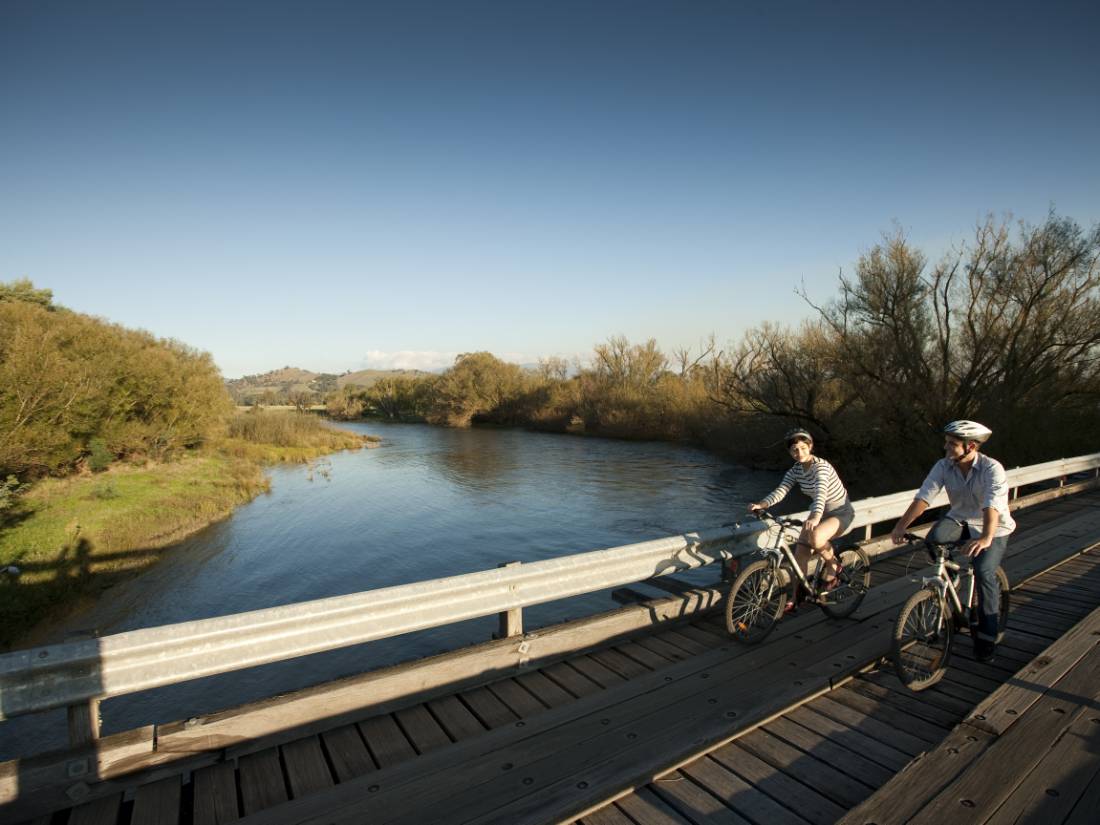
pixel 72 538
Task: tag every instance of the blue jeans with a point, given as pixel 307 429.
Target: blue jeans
pixel 985 570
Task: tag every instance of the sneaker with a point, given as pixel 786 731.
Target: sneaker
pixel 831 584
pixel 984 651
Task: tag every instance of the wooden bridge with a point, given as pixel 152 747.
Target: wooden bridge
pixel 645 714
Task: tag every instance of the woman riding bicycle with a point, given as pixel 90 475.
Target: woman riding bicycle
pixel 831 512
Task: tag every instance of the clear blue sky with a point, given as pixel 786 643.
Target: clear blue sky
pixel 328 184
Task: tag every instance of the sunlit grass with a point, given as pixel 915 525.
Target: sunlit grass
pixel 73 537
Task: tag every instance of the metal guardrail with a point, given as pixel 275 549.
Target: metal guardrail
pixel 81 672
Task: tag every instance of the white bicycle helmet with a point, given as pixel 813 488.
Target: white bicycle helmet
pixel 968 430
pixel 796 434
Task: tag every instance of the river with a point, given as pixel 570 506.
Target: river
pixel 429 502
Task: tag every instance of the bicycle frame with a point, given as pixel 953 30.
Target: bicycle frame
pixel 782 552
pixel 941 582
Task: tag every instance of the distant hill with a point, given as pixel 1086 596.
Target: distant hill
pixel 279 386
pixel 364 378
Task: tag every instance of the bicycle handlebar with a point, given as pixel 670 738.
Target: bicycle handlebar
pixel 782 521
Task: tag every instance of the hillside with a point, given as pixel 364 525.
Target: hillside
pixel 281 385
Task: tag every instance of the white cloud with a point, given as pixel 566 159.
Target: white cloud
pixel 428 360
pixel 407 359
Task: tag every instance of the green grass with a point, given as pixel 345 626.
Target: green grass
pixel 74 537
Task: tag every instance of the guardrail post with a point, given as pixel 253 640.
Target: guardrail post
pixel 511 621
pixel 84 717
pixel 866 532
pixel 1015 493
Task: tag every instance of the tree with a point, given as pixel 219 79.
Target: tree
pixel 23 290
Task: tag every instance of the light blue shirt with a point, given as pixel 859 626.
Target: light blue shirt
pixel 985 486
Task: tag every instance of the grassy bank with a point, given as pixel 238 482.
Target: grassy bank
pixel 74 537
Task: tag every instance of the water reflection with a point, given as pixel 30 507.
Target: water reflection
pixel 428 503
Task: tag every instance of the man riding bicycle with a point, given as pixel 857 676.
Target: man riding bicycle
pixel 978 492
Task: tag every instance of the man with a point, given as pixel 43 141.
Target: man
pixel 978 493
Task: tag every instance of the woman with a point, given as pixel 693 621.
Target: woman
pixel 831 513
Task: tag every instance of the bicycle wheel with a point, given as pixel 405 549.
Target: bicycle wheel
pixel 756 601
pixel 855 581
pixel 922 640
pixel 1006 601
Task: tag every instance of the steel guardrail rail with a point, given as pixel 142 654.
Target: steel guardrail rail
pixel 67 674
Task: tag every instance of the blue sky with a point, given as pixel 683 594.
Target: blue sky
pixel 337 185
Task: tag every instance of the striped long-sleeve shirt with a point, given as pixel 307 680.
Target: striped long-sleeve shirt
pixel 820 483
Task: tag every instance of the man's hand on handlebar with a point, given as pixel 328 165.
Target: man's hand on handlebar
pixel 755 507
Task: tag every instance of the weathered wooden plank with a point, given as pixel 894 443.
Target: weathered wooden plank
pixel 102 811
pixel 909 789
pixel 688 798
pixel 850 738
pixel 347 752
pixel 214 795
pixel 989 778
pixel 802 799
pixel 456 719
pixel 306 769
pixel 646 808
pixel 646 656
pixel 905 700
pixel 571 679
pixel 737 794
pixel 1084 812
pixel 608 815
pixel 927 732
pixel 385 740
pixel 40 784
pixel 572 779
pixel 842 758
pixel 619 662
pixel 951 686
pixel 863 723
pixel 262 783
pixel 157 803
pixel 488 708
pixel 1050 792
pixel 546 691
pixel 934 697
pixel 421 728
pixel 603 752
pixel 806 767
pixel 522 703
pixel 686 644
pixel 1002 709
pixel 598 673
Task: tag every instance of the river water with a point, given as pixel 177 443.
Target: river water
pixel 429 502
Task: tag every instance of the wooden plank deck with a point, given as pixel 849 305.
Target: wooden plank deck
pixel 786 731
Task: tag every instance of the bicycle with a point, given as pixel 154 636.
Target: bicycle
pixel 762 589
pixel 931 616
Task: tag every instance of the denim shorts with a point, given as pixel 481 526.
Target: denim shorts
pixel 845 514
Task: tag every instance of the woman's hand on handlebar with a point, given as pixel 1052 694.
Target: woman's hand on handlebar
pixel 755 507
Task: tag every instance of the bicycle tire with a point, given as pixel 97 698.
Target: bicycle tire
pixel 855 580
pixel 1006 603
pixel 750 612
pixel 922 640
